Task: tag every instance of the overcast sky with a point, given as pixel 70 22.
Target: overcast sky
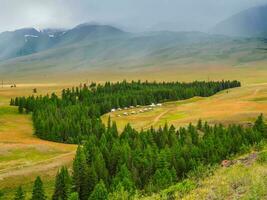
pixel 132 15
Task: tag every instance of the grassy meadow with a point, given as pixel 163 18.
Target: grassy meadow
pixel 23 156
pixel 239 105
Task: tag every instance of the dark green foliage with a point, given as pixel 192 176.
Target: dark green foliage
pixel 100 192
pixel 62 185
pixel 74 196
pixel 123 179
pixel 152 160
pixel 38 191
pixel 19 194
pixel 75 116
pixel 80 175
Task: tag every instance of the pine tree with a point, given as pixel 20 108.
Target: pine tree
pixel 80 174
pixel 1 194
pixel 259 124
pixel 20 109
pixel 62 185
pixel 123 179
pixel 100 166
pixel 74 196
pixel 100 192
pixel 19 194
pixel 38 191
pixel 92 178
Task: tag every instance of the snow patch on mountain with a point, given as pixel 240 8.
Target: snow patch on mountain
pixel 30 36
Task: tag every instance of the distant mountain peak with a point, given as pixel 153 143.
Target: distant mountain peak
pixel 87 24
pixel 249 23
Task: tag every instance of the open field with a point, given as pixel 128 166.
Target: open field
pixel 247 73
pixel 239 105
pixel 22 155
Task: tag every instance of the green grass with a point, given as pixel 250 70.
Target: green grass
pixel 169 118
pixel 9 192
pixel 8 110
pixel 24 156
pixel 260 99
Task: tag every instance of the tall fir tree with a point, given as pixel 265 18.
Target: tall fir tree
pixel 74 196
pixel 38 191
pixel 80 174
pixel 100 192
pixel 62 185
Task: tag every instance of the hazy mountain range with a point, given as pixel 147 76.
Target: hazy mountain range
pixel 89 46
pixel 249 23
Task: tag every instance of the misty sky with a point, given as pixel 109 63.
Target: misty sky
pixel 132 15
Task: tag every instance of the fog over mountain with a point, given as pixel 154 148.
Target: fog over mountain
pixel 130 15
pixel 249 23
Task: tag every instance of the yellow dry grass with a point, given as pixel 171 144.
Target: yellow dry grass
pixel 239 105
pixel 23 156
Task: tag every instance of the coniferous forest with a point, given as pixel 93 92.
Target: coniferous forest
pixel 115 166
pixel 76 115
pixel 109 164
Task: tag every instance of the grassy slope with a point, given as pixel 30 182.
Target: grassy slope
pixel 164 54
pixel 247 179
pixel 22 155
pixel 239 105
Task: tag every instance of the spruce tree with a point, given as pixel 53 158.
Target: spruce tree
pixel 80 174
pixel 38 191
pixel 62 185
pixel 74 196
pixel 19 194
pixel 100 192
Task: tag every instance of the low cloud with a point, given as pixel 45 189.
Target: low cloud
pixel 134 15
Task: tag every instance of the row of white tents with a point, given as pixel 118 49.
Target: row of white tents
pixel 133 112
pixel 132 107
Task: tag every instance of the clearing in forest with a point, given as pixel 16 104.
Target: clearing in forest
pixel 238 105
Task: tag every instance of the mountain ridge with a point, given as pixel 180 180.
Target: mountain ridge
pixel 28 41
pixel 251 22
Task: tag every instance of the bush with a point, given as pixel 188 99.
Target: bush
pixel 262 157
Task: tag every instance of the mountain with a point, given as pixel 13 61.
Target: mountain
pixel 249 23
pixel 29 40
pixel 90 47
pixel 130 52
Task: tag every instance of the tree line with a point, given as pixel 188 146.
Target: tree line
pixel 75 115
pixel 115 166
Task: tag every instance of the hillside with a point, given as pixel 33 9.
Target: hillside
pixel 249 23
pixel 29 40
pixel 23 156
pixel 239 105
pixel 244 179
pixel 129 53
